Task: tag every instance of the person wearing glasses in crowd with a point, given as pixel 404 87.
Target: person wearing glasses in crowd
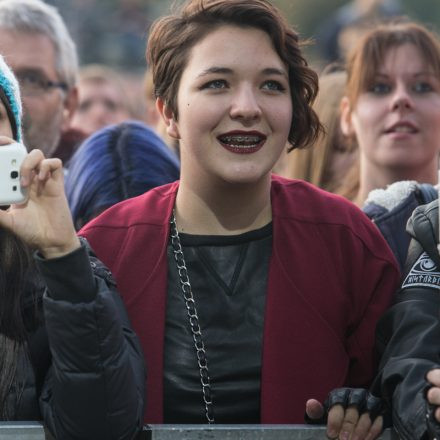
pixel 37 46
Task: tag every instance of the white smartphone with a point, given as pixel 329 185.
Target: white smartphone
pixel 11 157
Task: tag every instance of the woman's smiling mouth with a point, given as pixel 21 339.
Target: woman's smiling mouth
pixel 242 142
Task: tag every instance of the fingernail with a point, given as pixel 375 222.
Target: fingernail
pixel 332 434
pixel 23 180
pixel 345 435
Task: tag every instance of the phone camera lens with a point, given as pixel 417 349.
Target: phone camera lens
pixel 14 174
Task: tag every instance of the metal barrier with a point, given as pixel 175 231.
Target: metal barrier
pixel 35 431
pixel 242 432
pixel 22 431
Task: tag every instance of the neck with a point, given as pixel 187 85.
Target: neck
pixel 374 178
pixel 222 208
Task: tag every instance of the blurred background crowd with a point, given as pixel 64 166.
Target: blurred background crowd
pixel 114 32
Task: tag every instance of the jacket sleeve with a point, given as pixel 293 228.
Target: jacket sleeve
pixel 408 335
pixel 95 386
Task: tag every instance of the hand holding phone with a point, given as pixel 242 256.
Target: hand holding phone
pixel 11 158
pixel 44 221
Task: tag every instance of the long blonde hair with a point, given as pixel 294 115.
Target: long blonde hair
pixel 312 163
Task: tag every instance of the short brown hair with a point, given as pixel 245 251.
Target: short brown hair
pixel 366 57
pixel 172 37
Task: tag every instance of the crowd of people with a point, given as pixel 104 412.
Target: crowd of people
pixel 261 248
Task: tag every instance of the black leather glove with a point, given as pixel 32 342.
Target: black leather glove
pixel 359 398
pixel 431 423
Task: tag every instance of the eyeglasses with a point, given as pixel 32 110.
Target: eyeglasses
pixel 35 84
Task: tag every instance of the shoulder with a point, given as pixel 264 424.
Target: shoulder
pixel 128 225
pixel 333 217
pixel 146 209
pixel 304 201
pixel 423 228
pixel 422 269
pixel 398 199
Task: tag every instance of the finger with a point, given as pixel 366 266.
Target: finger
pixel 314 409
pixel 362 427
pixel 349 423
pixel 376 429
pixel 335 420
pixel 433 396
pixel 433 376
pixel 50 168
pixel 5 140
pixel 30 166
pixel 437 414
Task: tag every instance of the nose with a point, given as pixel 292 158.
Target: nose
pixel 245 105
pixel 401 98
pixel 99 112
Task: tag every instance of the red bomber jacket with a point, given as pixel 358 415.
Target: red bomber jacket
pixel 331 276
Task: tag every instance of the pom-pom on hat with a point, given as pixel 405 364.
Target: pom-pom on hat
pixel 10 96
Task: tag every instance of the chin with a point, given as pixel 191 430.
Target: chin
pixel 408 166
pixel 246 176
pixel 404 157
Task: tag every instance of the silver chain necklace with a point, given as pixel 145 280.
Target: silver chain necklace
pixel 193 321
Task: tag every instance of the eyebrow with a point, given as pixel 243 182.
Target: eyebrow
pixel 423 73
pixel 33 70
pixel 36 71
pixel 228 71
pixel 214 69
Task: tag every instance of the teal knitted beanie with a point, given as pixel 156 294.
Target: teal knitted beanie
pixel 10 96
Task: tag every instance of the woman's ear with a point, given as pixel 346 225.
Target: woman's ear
pixel 167 115
pixel 346 122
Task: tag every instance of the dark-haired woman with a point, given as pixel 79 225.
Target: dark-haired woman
pixel 21 291
pixel 68 356
pixel 283 283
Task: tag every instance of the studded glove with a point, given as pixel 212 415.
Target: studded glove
pixel 359 398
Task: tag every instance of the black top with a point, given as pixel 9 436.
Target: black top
pixel 228 275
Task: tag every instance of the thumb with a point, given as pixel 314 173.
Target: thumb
pixel 314 409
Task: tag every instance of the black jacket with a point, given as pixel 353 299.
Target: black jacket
pixel 34 357
pixel 83 372
pixel 408 335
